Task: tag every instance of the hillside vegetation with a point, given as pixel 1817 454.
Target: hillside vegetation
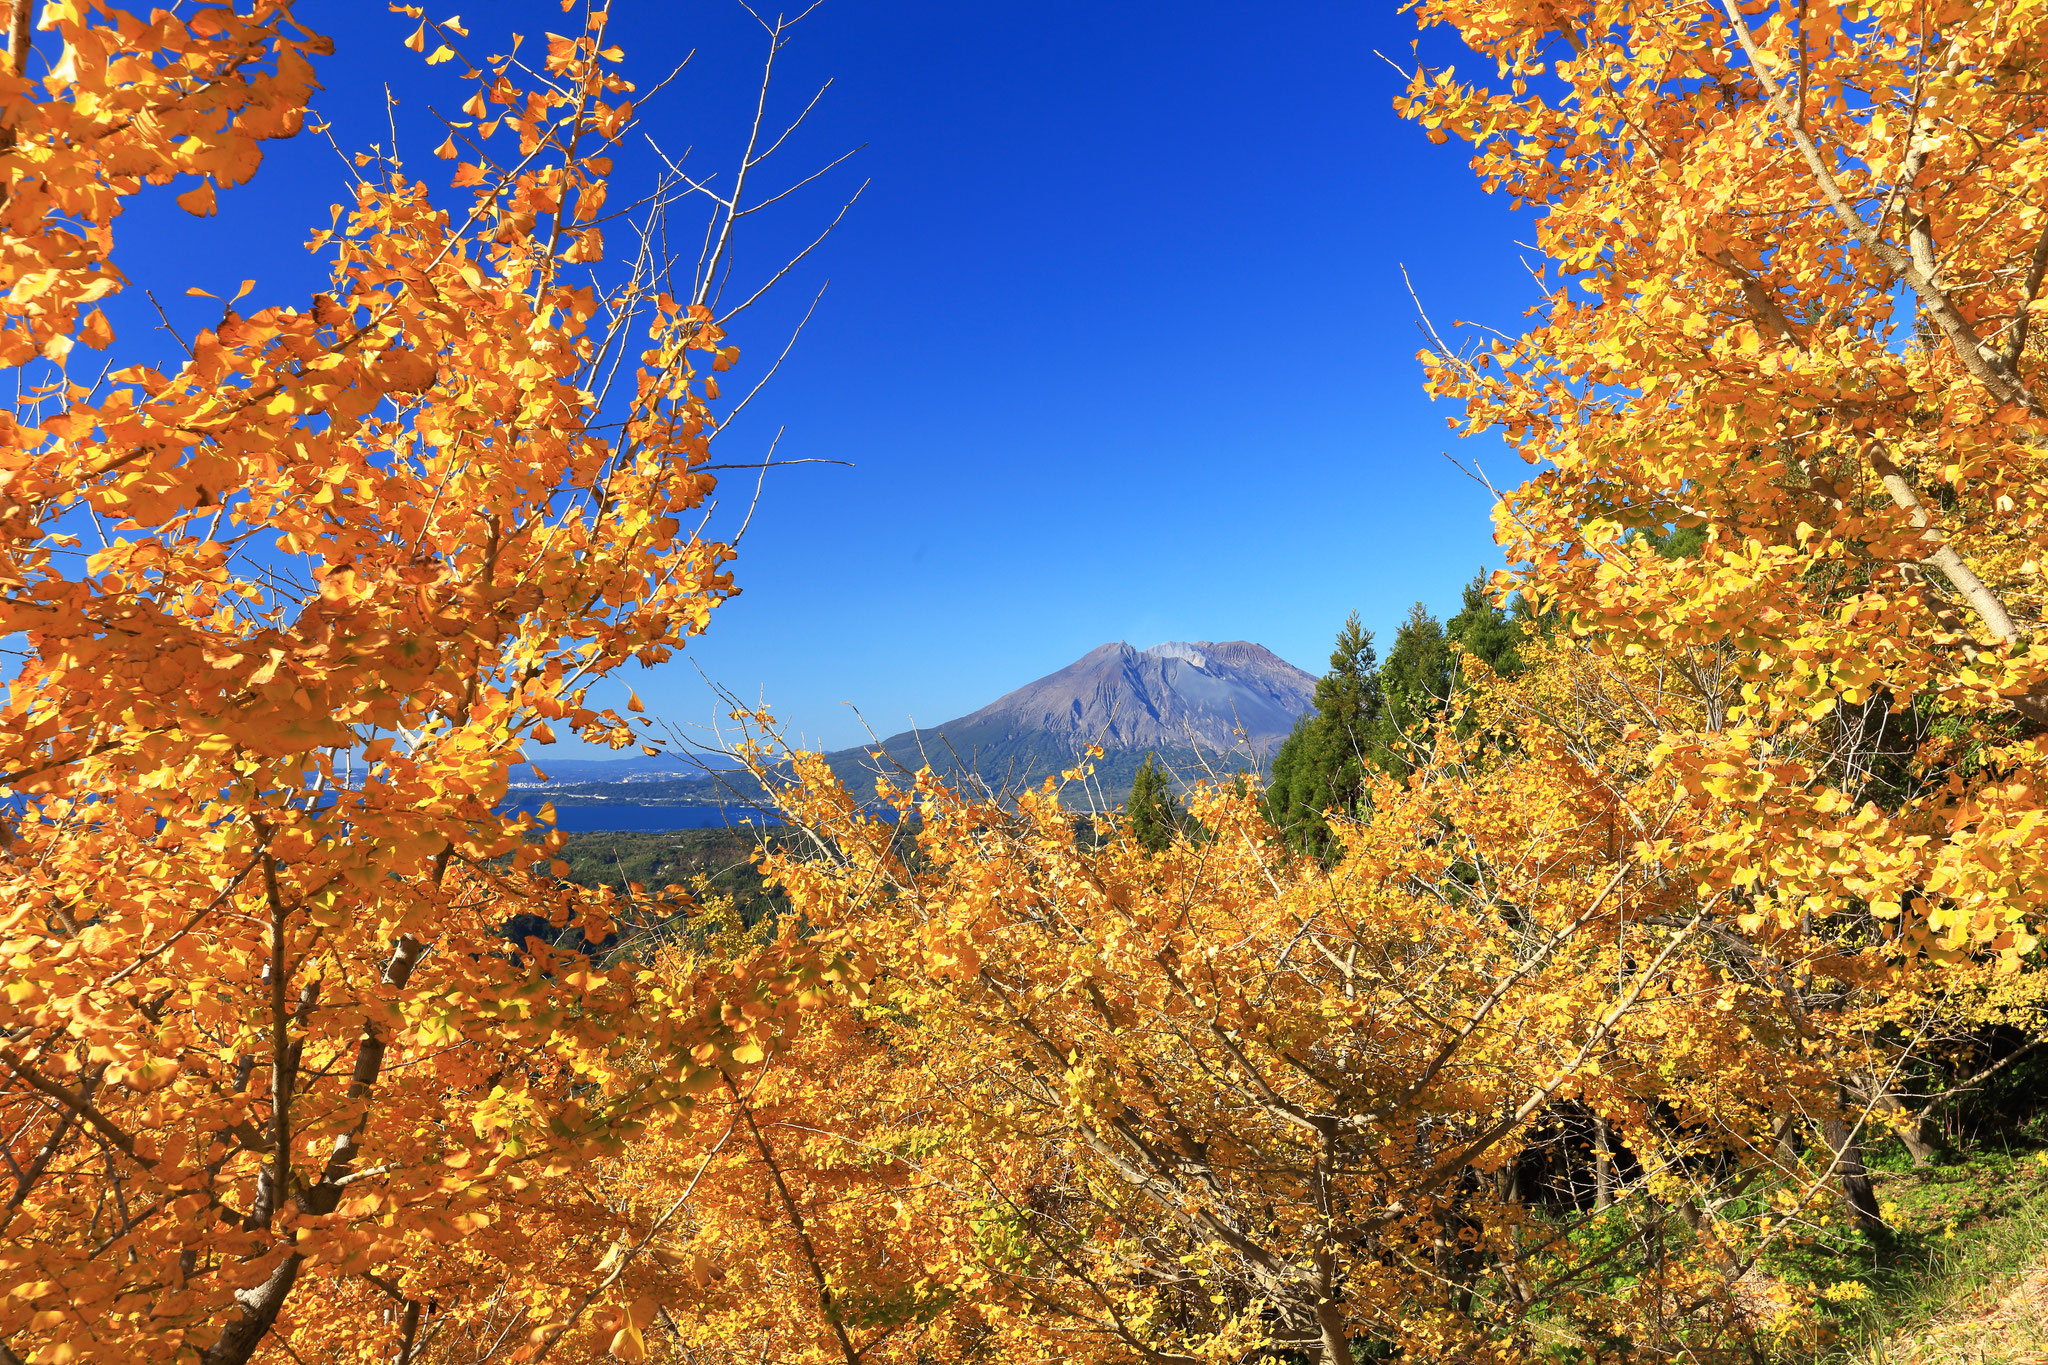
pixel 708 863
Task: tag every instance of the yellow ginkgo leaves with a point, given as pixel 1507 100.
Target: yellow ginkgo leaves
pixel 1830 463
pixel 297 1024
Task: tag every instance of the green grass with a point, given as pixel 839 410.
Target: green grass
pixel 1961 1225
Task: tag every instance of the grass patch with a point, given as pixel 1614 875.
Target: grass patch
pixel 1961 1225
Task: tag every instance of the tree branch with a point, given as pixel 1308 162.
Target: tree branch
pixel 2035 270
pixel 1963 1087
pixel 1986 365
pixel 826 1304
pixel 80 1105
pixel 1987 605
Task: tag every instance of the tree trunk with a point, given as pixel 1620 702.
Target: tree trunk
pixel 1603 1164
pixel 257 1308
pixel 1336 1343
pixel 1914 1130
pixel 1782 1128
pixel 1507 1180
pixel 1843 1141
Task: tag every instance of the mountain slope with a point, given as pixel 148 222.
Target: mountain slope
pixel 1200 705
pixel 1176 695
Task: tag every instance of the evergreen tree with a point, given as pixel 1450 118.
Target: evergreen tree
pixel 1364 710
pixel 1420 676
pixel 1155 815
pixel 1415 682
pixel 1487 631
pixel 1321 765
pixel 1674 542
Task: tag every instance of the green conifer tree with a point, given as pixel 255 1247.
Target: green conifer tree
pixel 1365 712
pixel 1487 631
pixel 1155 815
pixel 1321 765
pixel 1415 681
pixel 1421 675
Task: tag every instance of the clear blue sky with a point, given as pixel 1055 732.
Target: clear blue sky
pixel 1116 341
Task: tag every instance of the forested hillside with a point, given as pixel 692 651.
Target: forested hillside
pixel 1643 964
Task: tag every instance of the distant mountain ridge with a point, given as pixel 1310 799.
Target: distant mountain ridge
pixel 1201 705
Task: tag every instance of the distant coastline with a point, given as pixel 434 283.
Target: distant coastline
pixel 605 816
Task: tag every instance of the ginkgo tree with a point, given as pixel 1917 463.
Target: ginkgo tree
pixel 1222 1101
pixel 289 602
pixel 1795 257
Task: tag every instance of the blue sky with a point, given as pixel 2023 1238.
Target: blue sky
pixel 1116 340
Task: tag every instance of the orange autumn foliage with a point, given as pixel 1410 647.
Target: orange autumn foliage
pixel 1799 254
pixel 1225 1100
pixel 1757 827
pixel 262 1037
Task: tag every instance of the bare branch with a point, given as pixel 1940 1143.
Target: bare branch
pixel 791 265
